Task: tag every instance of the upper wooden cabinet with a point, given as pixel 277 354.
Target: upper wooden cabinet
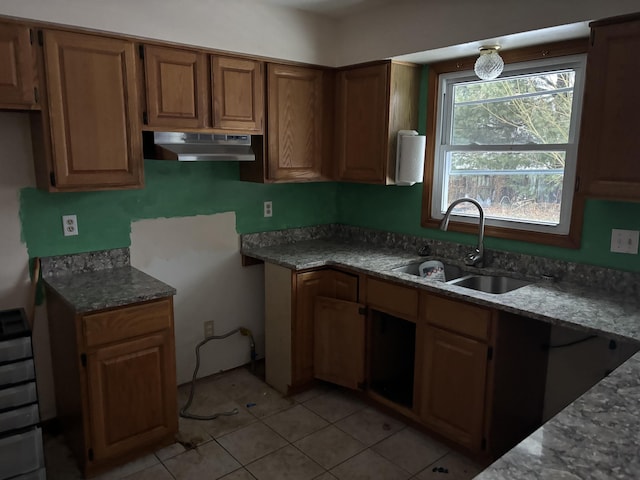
pixel 297 116
pixel 192 90
pixel 609 143
pixel 373 103
pixel 177 90
pixel 89 134
pixel 17 68
pixel 238 94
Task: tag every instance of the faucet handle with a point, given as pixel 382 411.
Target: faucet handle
pixel 474 258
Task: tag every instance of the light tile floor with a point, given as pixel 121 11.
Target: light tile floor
pixel 324 433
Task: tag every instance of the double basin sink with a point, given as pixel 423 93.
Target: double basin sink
pixel 455 275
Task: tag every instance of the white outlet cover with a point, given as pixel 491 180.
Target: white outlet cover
pixel 69 225
pixel 268 209
pixel 625 241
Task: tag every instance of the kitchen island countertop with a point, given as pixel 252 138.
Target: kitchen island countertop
pixel 596 436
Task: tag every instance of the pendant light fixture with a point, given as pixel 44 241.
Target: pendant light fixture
pixel 489 64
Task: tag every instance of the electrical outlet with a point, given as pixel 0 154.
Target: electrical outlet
pixel 268 209
pixel 624 241
pixel 69 225
pixel 208 329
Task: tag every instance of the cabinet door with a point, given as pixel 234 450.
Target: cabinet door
pixel 452 387
pixel 238 94
pixel 17 68
pixel 93 111
pixel 609 146
pixel 339 342
pixel 362 122
pixel 295 123
pixel 177 88
pixel 309 285
pixel 132 394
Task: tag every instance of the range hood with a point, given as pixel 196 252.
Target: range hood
pixel 193 147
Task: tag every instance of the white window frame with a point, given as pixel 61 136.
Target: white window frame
pixel 446 81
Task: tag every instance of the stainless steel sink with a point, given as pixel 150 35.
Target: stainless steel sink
pixel 450 271
pixel 489 283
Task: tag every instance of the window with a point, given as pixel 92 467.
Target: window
pixel 510 143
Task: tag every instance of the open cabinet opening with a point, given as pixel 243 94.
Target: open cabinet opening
pixel 392 357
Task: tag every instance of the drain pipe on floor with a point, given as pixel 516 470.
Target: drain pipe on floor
pixel 244 332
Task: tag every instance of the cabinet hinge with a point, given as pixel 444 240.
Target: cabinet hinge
pixel 36 95
pixel 40 38
pixel 145 118
pixel 141 51
pixel 31 36
pixel 83 359
pixel 362 310
pixel 483 444
pixel 490 353
pixel 577 183
pixel 90 454
pixel 52 179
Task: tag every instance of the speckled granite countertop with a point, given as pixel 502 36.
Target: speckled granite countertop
pixel 596 437
pixel 107 288
pixel 579 307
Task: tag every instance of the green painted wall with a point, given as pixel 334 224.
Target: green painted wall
pixel 172 189
pixel 398 209
pixel 183 189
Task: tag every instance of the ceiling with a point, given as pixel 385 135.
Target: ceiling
pixel 331 8
pixel 338 9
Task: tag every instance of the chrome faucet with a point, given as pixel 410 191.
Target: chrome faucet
pixel 476 257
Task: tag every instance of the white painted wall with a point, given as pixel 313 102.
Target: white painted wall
pixel 16 172
pixel 257 28
pixel 200 257
pixel 413 26
pixel 243 26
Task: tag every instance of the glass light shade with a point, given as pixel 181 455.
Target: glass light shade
pixel 489 64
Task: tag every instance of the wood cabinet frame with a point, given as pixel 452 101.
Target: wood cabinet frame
pixel 87 373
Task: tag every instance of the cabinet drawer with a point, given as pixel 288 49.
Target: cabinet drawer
pixel 20 454
pixel 19 418
pixel 126 322
pixel 19 395
pixel 17 372
pixel 15 349
pixel 391 298
pixel 459 317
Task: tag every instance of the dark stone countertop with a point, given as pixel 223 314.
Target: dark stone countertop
pixel 107 288
pixel 560 303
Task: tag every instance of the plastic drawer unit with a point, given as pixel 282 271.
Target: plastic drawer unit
pixel 13 397
pixel 21 453
pixel 15 349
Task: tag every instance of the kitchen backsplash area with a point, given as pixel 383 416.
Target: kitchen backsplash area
pixel 530 266
pixel 84 262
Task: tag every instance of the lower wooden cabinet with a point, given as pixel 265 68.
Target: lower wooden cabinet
pixel 454 380
pixel 115 380
pixel 289 320
pixel 339 342
pixel 472 375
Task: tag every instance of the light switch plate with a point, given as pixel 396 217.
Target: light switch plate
pixel 624 241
